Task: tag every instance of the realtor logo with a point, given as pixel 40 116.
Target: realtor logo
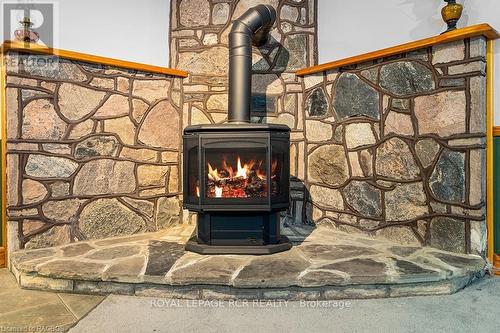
pixel 29 21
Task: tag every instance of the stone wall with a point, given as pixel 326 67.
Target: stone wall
pixel 396 147
pixel 92 151
pixel 198 43
pixel 393 148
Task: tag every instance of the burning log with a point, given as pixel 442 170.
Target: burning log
pixel 246 181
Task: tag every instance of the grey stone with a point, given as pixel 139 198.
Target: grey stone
pixel 101 145
pixel 44 283
pixel 277 270
pixel 289 13
pixel 442 113
pixel 353 97
pixel 167 212
pixel 370 74
pixel 61 210
pixel 317 131
pixel 355 292
pixel 50 166
pixel 194 13
pixel 448 52
pixel 405 202
pixel 217 270
pixel 447 181
pixel 328 164
pixel 105 176
pixel 395 160
pixel 406 78
pixel 290 103
pixel 28 255
pixel 427 150
pixel 220 13
pixel 76 102
pixel 476 66
pixel 124 239
pixel 448 234
pixel 142 206
pixel 458 82
pixel 40 121
pixel 128 270
pixel 77 249
pixel 406 267
pixel 55 236
pixel 337 134
pixel 51 67
pixel 317 278
pixel 177 292
pixel 420 289
pixel 398 234
pixel 401 104
pixel 361 270
pixel 153 134
pixel 326 252
pixel 293 54
pixel 366 162
pixel 418 54
pixel 326 197
pixel 312 80
pixel 107 218
pixel 150 90
pixel 212 61
pixel 316 103
pixel 162 256
pixel 469 262
pixel 103 287
pixel 359 134
pixel 59 189
pixel 364 198
pixel 72 269
pixel 478 104
pixel 404 251
pixel 398 123
pixel 477 47
pixel 114 252
pixel 229 293
pixel 33 191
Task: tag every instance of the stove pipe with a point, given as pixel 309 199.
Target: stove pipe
pixel 253 26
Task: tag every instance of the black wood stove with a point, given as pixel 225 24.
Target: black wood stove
pixel 236 175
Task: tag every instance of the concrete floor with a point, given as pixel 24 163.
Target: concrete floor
pixel 28 310
pixel 474 309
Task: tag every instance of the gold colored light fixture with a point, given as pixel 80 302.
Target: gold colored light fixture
pixel 451 13
pixel 25 33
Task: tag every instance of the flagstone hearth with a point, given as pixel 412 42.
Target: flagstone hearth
pixel 328 264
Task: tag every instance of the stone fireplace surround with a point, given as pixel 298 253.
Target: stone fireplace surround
pixel 392 148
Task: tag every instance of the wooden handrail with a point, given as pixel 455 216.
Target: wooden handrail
pixel 483 29
pixel 39 49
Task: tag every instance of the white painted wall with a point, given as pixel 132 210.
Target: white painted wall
pixel 348 28
pixel 133 30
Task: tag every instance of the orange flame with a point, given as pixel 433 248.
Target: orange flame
pixel 242 171
pixel 213 174
pixel 231 181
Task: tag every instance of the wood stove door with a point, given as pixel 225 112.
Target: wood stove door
pixel 234 171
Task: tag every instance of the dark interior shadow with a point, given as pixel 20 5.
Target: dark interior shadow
pixel 297 223
pixel 261 104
